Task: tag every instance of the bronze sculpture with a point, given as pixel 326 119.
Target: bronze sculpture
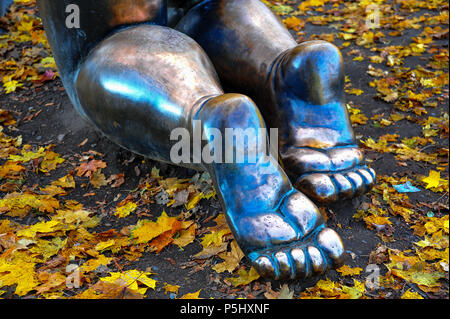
pixel 138 70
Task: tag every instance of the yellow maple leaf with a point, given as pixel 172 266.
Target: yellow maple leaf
pixel 358 119
pixel 48 248
pixel 431 254
pixel 104 245
pixel 186 236
pixel 348 271
pixel 27 155
pixel 66 181
pixel 76 218
pixel 194 201
pixel 42 227
pixel 53 190
pixel 93 264
pixel 374 220
pixel 417 272
pixel 20 204
pixel 194 295
pixel 25 26
pixel 9 169
pixel 147 230
pixel 125 210
pixel 20 271
pixel 435 224
pixel 50 160
pixel 433 179
pixel 355 91
pixel 131 278
pixel 244 277
pixel 11 86
pixel 355 292
pixel 293 23
pixel 48 62
pixel 411 295
pixel 171 288
pixel 231 259
pixel 326 285
pixel 215 238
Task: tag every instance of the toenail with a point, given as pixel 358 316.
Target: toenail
pixel 319 186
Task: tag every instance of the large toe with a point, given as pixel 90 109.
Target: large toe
pixel 302 212
pixel 319 187
pixel 345 158
pixel 265 267
pixel 331 244
pixel 306 160
pixel 258 231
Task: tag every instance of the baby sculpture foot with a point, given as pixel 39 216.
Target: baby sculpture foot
pixel 317 144
pixel 292 242
pixel 277 227
pixel 299 88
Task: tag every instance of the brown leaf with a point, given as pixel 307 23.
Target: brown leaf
pixel 86 169
pixel 117 179
pixel 379 255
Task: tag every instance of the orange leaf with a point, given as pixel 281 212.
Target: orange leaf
pixel 86 169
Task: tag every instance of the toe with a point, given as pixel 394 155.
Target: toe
pixel 302 211
pixel 331 244
pixel 373 173
pixel 319 264
pixel 345 158
pixel 345 188
pixel 262 229
pixel 319 187
pixel 264 267
pixel 300 160
pixel 357 182
pixel 301 263
pixel 285 270
pixel 367 177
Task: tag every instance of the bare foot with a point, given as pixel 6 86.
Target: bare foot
pixel 276 226
pixel 296 242
pixel 317 144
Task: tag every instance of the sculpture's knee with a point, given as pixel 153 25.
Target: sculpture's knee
pixel 233 129
pixel 231 111
pixel 315 70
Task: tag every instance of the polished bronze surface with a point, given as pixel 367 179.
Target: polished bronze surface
pixel 299 89
pixel 140 70
pixel 98 19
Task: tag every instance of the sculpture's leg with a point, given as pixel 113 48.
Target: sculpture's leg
pixel 299 89
pixel 141 83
